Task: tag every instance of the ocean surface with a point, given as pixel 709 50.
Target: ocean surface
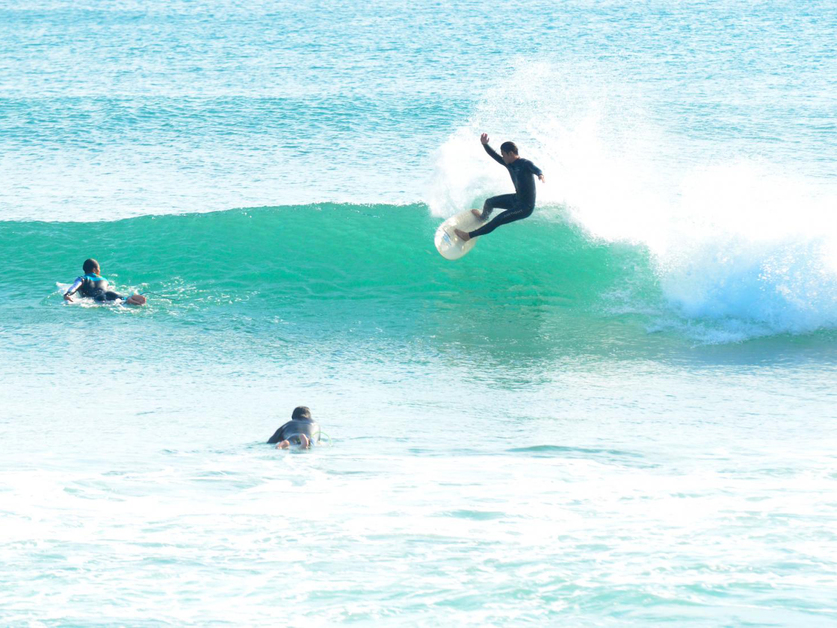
pixel 621 411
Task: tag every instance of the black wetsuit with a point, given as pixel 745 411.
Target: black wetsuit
pixel 518 205
pixel 294 428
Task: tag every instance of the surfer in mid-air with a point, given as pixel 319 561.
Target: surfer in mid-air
pixel 518 205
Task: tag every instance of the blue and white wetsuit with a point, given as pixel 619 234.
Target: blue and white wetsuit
pixel 94 287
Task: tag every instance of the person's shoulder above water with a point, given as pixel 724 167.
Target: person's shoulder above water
pixel 277 435
pixel 300 430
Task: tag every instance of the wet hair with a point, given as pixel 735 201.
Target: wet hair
pixel 89 265
pixel 508 147
pixel 301 412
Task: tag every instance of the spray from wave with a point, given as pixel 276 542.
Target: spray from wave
pixel 743 244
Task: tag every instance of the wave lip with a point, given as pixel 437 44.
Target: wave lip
pixel 741 246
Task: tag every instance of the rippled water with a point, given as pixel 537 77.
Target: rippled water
pixel 597 493
pixel 617 412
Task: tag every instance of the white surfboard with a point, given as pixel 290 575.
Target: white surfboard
pixel 447 243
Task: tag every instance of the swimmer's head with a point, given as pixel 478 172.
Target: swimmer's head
pixel 509 151
pixel 301 413
pixel 90 266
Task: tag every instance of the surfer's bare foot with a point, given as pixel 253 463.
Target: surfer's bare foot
pixel 302 439
pixel 477 213
pixel 462 235
pixel 136 299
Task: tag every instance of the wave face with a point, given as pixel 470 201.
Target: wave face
pixel 329 270
pixel 741 236
pixel 671 201
pixel 370 271
pixel 566 427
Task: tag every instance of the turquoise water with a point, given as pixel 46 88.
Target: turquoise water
pixel 617 412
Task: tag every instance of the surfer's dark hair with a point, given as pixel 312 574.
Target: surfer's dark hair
pixel 301 412
pixel 89 265
pixel 508 147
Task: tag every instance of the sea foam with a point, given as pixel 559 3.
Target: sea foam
pixel 744 242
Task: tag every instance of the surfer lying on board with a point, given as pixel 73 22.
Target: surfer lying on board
pixel 301 430
pixel 94 286
pixel 518 205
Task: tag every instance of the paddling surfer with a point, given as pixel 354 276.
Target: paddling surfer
pixel 301 430
pixel 518 205
pixel 93 286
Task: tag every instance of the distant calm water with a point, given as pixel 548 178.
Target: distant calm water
pixel 620 411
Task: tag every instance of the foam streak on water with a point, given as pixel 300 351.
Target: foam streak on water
pixel 619 411
pixel 586 500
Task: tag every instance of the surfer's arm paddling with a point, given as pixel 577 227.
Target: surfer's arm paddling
pixel 73 289
pixel 519 205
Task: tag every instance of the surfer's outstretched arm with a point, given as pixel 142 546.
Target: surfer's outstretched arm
pixel 494 155
pixel 73 289
pixel 491 152
pixel 535 171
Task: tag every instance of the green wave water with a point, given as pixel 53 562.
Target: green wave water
pixel 618 412
pixel 334 273
pixel 332 270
